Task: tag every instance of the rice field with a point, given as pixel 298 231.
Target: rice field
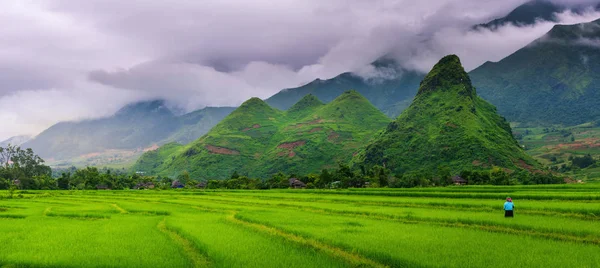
pixel 554 226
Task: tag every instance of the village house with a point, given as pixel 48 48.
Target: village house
pixel 457 180
pixel 177 184
pixel 297 184
pixel 201 185
pixel 142 185
pixel 102 187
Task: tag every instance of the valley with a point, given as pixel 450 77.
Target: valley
pixel 554 226
pixel 381 133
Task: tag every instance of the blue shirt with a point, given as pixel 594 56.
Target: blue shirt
pixel 509 205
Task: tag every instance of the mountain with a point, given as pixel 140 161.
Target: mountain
pixel 391 92
pixel 553 80
pixel 135 126
pixel 447 125
pixel 15 141
pixel 394 94
pixel 537 10
pixel 258 140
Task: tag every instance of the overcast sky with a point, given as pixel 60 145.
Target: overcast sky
pixel 71 59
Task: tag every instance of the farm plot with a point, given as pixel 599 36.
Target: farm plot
pixel 555 226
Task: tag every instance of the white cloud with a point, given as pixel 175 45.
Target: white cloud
pixel 30 111
pixel 68 59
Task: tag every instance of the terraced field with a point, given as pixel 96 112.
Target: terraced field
pixel 554 226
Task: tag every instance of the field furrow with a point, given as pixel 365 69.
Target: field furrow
pixel 432 227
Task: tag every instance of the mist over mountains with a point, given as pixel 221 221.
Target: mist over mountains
pixel 161 51
pixel 135 126
pixel 545 82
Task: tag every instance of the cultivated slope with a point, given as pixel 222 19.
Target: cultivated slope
pixel 447 125
pixel 554 80
pixel 258 140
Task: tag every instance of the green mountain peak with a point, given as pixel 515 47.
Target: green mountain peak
pixel 349 95
pixel 258 142
pixel 443 129
pixel 255 103
pixel 308 102
pixel 447 74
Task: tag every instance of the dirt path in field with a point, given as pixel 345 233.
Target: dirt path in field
pixel 196 258
pixel 120 209
pixel 46 211
pixel 354 259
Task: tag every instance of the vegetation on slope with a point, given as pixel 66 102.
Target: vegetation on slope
pixel 152 159
pixel 446 128
pixel 391 94
pixel 554 80
pixel 258 140
pixel 572 151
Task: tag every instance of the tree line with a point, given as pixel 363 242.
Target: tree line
pixel 22 169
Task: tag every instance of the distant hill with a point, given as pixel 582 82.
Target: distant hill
pixel 258 140
pixel 534 11
pixel 446 126
pixel 554 80
pixel 391 94
pixel 135 126
pixel 16 140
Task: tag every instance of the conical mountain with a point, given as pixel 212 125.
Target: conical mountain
pixel 252 114
pixel 446 126
pixel 553 81
pixel 325 137
pixel 257 140
pixel 305 105
pixel 228 147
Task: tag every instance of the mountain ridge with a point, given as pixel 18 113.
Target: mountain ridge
pixel 446 127
pixel 552 81
pixel 134 126
pixel 385 93
pixel 267 140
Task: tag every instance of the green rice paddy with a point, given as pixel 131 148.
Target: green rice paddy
pixel 554 226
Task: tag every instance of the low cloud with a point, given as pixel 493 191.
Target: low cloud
pixel 29 111
pixel 67 59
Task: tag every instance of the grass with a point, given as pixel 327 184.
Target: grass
pixel 427 227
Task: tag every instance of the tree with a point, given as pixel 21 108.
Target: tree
pixel 184 178
pixel 584 161
pixel 25 166
pixel 4 184
pixel 7 154
pixel 87 178
pixel 445 176
pixel 325 178
pixel 64 182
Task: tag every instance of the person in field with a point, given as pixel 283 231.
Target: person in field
pixel 508 207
